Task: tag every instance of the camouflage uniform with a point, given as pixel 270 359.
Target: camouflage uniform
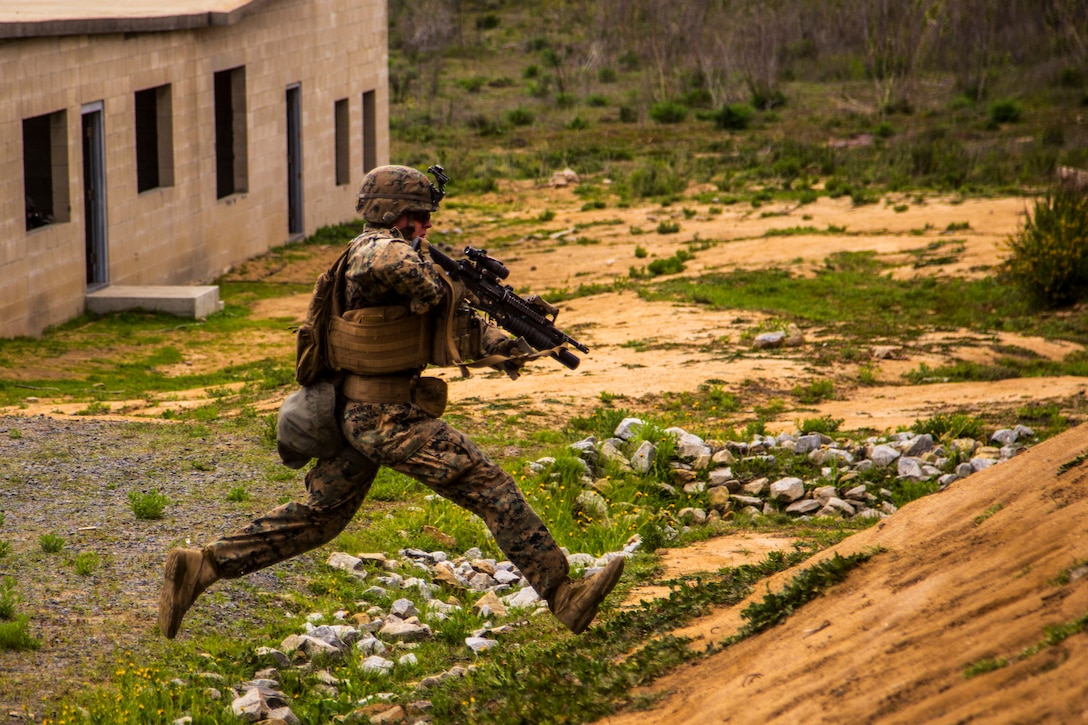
pixel 384 270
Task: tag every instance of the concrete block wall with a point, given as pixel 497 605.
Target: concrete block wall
pixel 183 234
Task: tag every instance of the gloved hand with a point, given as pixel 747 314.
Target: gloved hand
pixel 511 347
pixel 422 246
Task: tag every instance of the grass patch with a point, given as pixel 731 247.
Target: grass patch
pixel 981 518
pixel 51 543
pixel 86 563
pixel 148 505
pixel 810 583
pixel 15 635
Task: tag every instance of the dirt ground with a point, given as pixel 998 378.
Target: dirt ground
pixel 965 575
pixel 890 643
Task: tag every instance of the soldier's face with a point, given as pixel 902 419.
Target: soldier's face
pixel 415 225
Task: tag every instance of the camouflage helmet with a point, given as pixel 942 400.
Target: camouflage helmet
pixel 389 191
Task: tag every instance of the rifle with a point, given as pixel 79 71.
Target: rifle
pixel 530 318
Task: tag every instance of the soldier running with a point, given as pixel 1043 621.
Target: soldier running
pixel 402 314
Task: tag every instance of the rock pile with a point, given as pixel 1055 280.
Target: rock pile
pixel 382 637
pixel 704 470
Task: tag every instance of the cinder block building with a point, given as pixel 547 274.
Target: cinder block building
pixel 160 142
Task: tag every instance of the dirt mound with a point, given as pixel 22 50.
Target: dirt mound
pixel 990 569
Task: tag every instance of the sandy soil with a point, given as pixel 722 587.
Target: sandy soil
pixel 968 574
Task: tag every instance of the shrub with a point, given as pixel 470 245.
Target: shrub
pixel 606 75
pixel 1005 111
pixel 655 179
pixel 668 227
pixel 472 84
pixel 825 424
pixel 519 116
pixel 1049 254
pixel 8 598
pixel 238 494
pixel 669 265
pixel 951 426
pixel 86 562
pixel 814 392
pixel 489 21
pixel 51 543
pixel 15 637
pixel 668 112
pixel 148 505
pixel 628 114
pixel 735 116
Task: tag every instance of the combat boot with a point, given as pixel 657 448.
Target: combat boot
pixel 575 603
pixel 186 574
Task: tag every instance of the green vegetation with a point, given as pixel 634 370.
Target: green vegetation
pixel 1049 254
pixel 14 627
pixel 851 294
pixel 949 426
pixel 807 585
pixel 8 598
pixel 238 494
pixel 148 504
pixel 1053 635
pixel 86 562
pixel 51 543
pixel 981 518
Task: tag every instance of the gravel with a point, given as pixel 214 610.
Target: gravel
pixel 71 477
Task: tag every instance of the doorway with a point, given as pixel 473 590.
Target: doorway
pixel 294 160
pixel 94 196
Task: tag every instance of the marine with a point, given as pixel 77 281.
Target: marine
pixel 399 314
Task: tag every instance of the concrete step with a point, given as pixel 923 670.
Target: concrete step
pixel 196 302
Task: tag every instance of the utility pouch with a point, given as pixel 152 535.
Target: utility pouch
pixel 431 395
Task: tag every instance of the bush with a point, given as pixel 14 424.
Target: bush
pixel 826 425
pixel 472 84
pixel 86 562
pixel 668 112
pixel 490 21
pixel 1049 254
pixel 8 598
pixel 15 635
pixel 655 179
pixel 238 494
pixel 951 426
pixel 147 505
pixel 51 543
pixel 669 265
pixel 519 117
pixel 565 100
pixel 1005 111
pixel 735 116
